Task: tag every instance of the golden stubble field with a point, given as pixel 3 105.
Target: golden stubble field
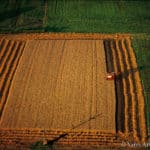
pixel 60 84
pixel 53 87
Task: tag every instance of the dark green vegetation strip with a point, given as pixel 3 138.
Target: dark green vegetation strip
pixel 142 51
pixel 98 16
pixel 21 16
pixel 75 16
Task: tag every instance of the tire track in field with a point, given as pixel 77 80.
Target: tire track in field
pixel 9 57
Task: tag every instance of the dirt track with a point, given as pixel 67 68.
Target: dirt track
pixel 60 84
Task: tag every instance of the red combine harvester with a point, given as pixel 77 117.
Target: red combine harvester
pixel 112 75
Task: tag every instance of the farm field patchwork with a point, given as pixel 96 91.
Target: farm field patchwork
pixel 82 20
pixel 74 16
pixel 54 86
pixel 21 16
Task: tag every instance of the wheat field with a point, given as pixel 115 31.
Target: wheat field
pixel 53 87
pixel 60 84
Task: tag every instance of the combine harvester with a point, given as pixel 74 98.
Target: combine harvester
pixel 112 75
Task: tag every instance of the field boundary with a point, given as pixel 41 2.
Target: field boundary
pixel 65 137
pixel 62 36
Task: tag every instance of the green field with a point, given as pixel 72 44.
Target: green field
pixel 142 50
pixel 98 16
pixel 21 16
pixel 74 16
pixel 86 16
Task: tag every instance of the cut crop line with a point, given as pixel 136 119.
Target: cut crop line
pixel 116 69
pixel 6 57
pixel 141 104
pixel 4 48
pixel 124 90
pixel 8 75
pixel 3 77
pixel 132 92
pixel 120 110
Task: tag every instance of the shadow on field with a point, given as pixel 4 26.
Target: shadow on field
pixel 55 29
pixel 50 143
pixel 14 13
pixel 118 84
pixel 126 73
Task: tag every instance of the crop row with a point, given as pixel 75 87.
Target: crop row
pixel 61 137
pixel 124 61
pixel 10 53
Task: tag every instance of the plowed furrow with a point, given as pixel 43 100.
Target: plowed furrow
pixel 7 74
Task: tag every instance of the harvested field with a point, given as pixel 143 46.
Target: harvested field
pixel 57 90
pixel 60 84
pixel 130 99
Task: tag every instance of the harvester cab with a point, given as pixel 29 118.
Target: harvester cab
pixel 112 75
